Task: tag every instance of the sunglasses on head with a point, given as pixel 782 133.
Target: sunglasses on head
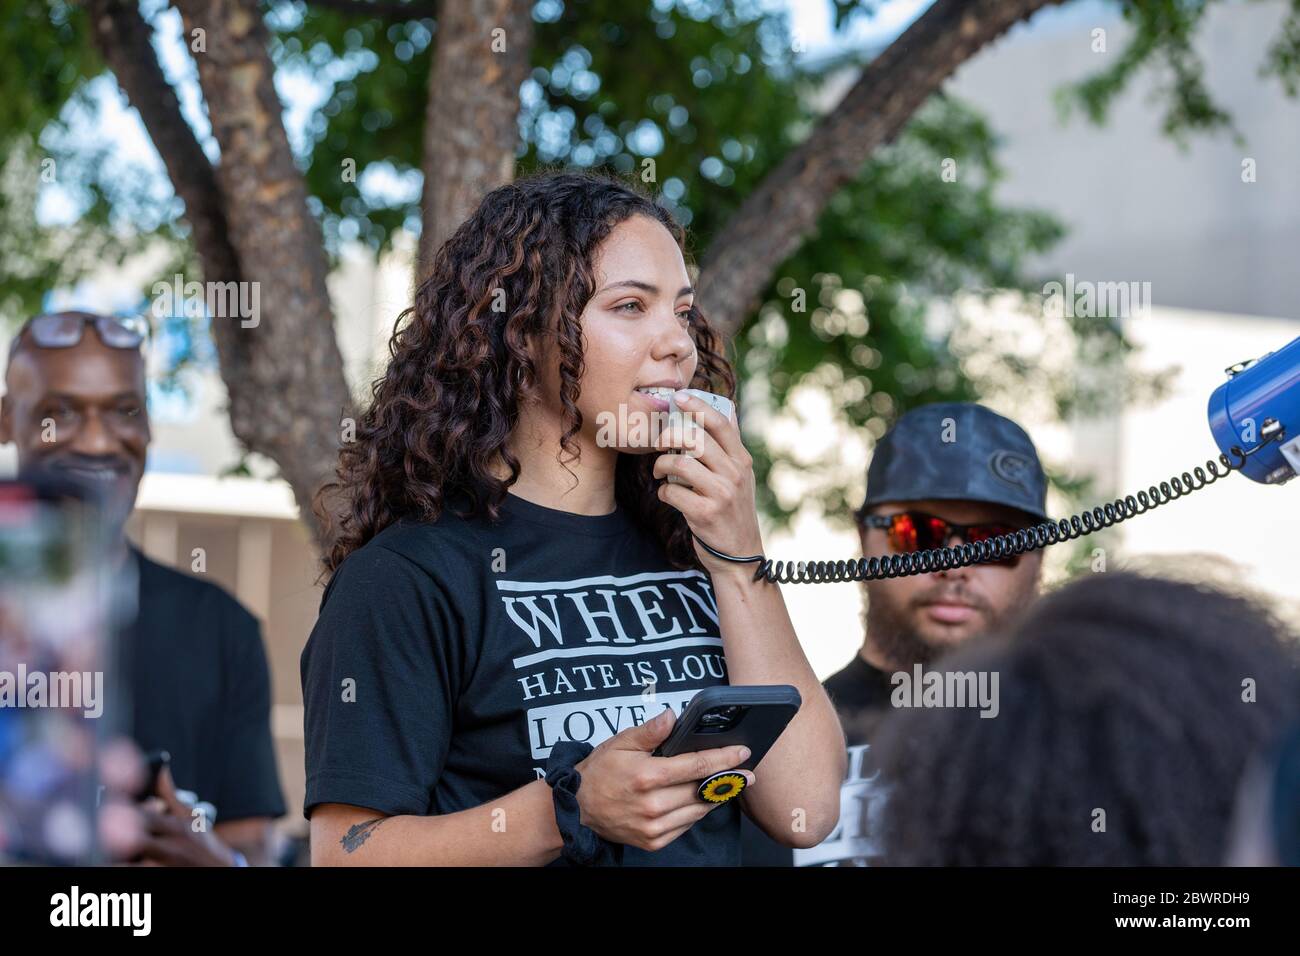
pixel 63 330
pixel 910 531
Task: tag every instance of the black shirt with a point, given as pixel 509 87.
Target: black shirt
pixel 449 657
pixel 201 691
pixel 860 694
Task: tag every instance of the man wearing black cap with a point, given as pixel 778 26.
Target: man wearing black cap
pixel 944 474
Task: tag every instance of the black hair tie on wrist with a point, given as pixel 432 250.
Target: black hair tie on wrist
pixel 583 846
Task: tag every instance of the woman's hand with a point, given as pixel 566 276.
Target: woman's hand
pixel 628 796
pixel 719 504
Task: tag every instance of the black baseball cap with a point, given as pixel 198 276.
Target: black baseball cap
pixel 957 451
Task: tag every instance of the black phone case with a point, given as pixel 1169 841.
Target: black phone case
pixel 768 709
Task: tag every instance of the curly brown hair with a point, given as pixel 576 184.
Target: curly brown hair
pixel 1118 692
pixel 441 414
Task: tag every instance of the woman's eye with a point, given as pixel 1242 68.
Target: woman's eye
pixel 635 306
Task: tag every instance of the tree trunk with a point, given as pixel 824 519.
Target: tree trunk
pixel 471 122
pixel 776 218
pixel 283 370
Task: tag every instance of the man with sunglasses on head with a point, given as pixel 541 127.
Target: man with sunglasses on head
pixel 945 474
pixel 74 405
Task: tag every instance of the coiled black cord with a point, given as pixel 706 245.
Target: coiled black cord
pixel 1003 546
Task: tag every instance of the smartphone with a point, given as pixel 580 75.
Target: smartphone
pixel 55 615
pixel 719 403
pixel 155 760
pixel 752 717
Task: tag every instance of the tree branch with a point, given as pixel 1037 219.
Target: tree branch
pixel 776 218
pixel 123 38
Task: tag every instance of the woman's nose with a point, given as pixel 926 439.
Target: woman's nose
pixel 675 340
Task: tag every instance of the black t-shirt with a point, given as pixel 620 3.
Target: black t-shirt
pixel 860 694
pixel 201 691
pixel 449 657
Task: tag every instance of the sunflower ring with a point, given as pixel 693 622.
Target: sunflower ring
pixel 722 787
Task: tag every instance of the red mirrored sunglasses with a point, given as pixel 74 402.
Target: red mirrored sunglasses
pixel 911 531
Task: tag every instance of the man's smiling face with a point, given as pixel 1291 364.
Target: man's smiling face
pixel 80 411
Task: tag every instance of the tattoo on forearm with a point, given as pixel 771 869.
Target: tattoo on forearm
pixel 360 833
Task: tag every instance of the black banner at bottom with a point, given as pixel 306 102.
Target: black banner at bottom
pixel 251 905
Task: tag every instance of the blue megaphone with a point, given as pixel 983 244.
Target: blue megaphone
pixel 1260 401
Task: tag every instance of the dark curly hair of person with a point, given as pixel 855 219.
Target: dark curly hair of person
pixel 1118 693
pixel 439 418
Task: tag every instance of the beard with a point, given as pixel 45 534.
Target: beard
pixel 892 625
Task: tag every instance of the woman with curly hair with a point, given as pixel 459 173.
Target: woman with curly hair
pixel 513 582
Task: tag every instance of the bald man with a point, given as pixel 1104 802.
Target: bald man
pixel 74 405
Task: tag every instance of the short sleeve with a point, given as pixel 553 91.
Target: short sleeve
pixel 379 686
pixel 249 785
